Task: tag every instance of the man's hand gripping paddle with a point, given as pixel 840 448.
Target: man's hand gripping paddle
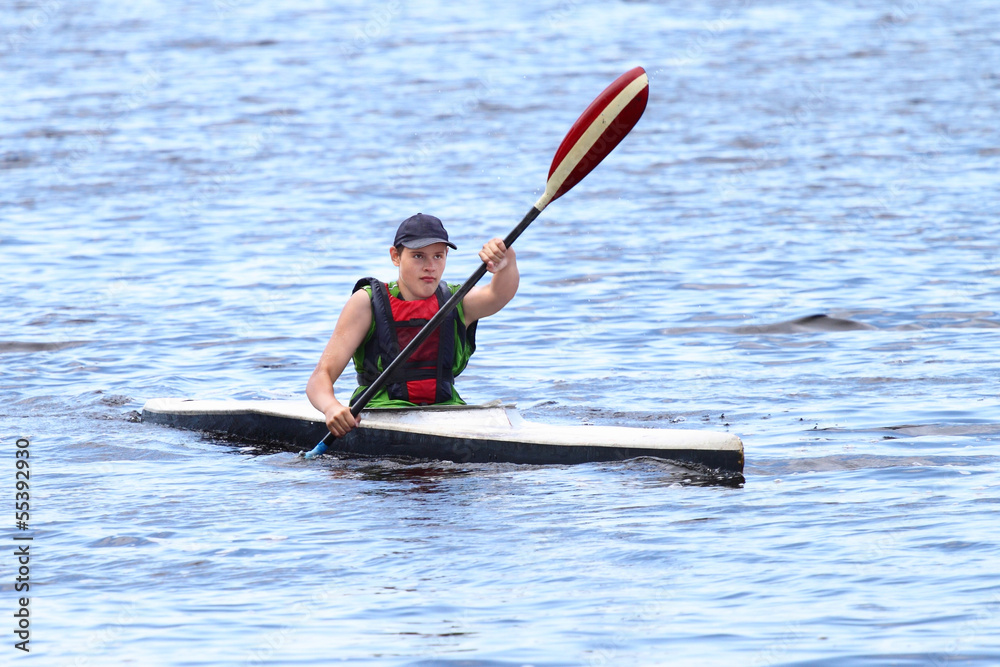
pixel 593 136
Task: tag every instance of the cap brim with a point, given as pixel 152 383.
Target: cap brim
pixel 423 243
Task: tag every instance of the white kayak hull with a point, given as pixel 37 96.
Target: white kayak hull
pixel 465 434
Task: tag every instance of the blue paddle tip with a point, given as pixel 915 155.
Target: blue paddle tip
pixel 316 451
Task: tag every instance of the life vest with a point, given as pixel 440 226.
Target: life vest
pixel 428 376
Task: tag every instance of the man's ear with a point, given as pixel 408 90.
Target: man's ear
pixel 394 255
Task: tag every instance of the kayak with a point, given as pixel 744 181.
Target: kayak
pixel 460 433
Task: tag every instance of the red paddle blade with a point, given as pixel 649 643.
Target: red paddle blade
pixel 596 133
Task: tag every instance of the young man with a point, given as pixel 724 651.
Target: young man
pixel 381 318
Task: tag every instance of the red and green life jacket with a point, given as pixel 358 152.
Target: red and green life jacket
pixel 428 376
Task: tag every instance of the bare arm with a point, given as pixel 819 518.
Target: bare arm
pixel 489 299
pixel 352 326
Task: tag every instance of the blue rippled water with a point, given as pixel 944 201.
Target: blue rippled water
pixel 188 191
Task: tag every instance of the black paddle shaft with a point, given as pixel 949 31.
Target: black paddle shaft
pixel 432 324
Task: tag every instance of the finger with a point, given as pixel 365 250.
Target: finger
pixel 346 425
pixel 338 426
pixel 494 247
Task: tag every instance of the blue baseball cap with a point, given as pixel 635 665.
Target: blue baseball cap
pixel 420 230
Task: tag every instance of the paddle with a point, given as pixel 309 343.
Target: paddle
pixel 593 136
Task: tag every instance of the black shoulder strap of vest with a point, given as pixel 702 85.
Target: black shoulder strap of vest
pixel 446 347
pixel 382 312
pixel 466 335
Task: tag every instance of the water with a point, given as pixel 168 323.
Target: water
pixel 189 191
